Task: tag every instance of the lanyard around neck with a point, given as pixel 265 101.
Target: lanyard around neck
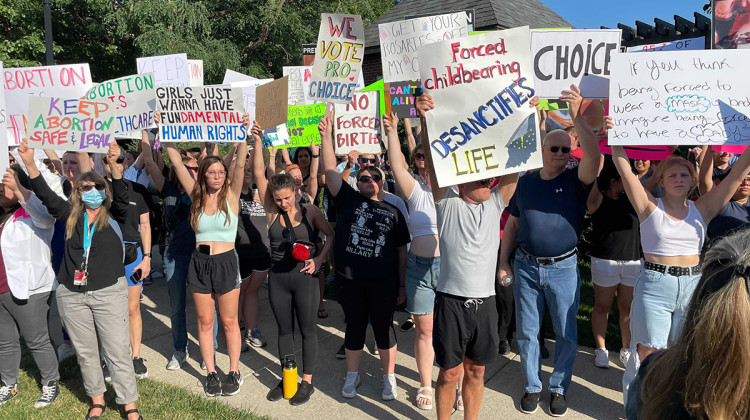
pixel 87 236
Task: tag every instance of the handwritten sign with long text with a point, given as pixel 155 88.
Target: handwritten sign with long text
pixel 299 83
pixel 338 58
pixel 168 70
pixel 71 124
pixel 212 114
pixel 134 98
pixel 303 124
pixel 356 124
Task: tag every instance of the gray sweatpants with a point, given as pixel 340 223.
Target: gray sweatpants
pixel 29 317
pixel 104 312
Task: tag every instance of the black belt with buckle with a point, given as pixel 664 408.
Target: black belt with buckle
pixel 672 270
pixel 549 260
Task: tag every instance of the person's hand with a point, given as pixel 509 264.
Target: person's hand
pixel 401 295
pixel 391 123
pixel 503 271
pixel 26 152
pixel 112 153
pixel 608 123
pixel 10 181
pixel 325 127
pixel 157 117
pixel 425 103
pixel 534 102
pixel 246 120
pixel 312 266
pixel 145 267
pixel 351 158
pixel 574 99
pixel 256 131
pixel 723 9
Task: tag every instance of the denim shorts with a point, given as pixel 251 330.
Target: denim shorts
pixel 421 281
pixel 660 301
pixel 610 273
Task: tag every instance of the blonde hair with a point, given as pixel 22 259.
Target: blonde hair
pixel 77 207
pixel 673 161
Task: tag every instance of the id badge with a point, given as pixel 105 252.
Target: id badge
pixel 79 278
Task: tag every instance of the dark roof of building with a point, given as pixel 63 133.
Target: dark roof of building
pixel 489 14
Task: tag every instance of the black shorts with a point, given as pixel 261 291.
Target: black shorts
pixel 253 257
pixel 464 327
pixel 218 273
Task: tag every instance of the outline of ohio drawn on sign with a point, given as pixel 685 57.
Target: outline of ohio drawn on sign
pixel 482 125
pixel 168 70
pixel 680 98
pixel 78 125
pixel 338 58
pixel 563 57
pixel 400 39
pixel 134 98
pixel 356 124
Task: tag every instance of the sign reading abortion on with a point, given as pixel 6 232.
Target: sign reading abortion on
pixel 64 81
pixel 168 70
pixel 78 125
pixel 675 98
pixel 357 126
pixel 134 99
pixel 689 44
pixel 399 42
pixel 338 58
pixel 482 125
pixel 576 56
pixel 212 114
pixel 303 124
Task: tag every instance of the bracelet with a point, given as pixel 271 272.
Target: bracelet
pixel 315 156
pixel 148 254
pixel 272 154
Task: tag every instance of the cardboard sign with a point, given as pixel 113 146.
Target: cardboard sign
pixel 195 72
pixel 690 44
pixel 64 81
pixel 673 98
pixel 399 42
pixel 277 137
pixel 299 83
pixel 78 125
pixel 576 56
pixel 168 70
pixel 270 111
pixel 401 98
pixel 4 161
pixel 357 126
pixel 482 125
pixel 338 58
pixel 134 98
pixel 211 114
pixel 303 124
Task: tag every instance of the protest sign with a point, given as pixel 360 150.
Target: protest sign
pixel 235 76
pixel 379 87
pixel 577 56
pixel 401 98
pixel 249 95
pixel 168 70
pixel 270 111
pixel 689 44
pixel 357 126
pixel 277 137
pixel 195 72
pixel 639 152
pixel 134 98
pixel 299 83
pixel 674 98
pixel 729 149
pixel 4 161
pixel 63 81
pixel 482 125
pixel 399 42
pixel 212 114
pixel 303 124
pixel 470 15
pixel 78 125
pixel 338 58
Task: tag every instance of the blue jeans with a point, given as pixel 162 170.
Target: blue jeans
pixel 421 281
pixel 559 284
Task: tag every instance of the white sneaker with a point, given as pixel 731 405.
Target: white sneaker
pixel 390 392
pixel 350 385
pixel 178 358
pixel 64 351
pixel 601 358
pixel 624 356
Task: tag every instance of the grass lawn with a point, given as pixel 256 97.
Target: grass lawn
pixel 157 400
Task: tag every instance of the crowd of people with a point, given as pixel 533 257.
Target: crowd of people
pixel 474 264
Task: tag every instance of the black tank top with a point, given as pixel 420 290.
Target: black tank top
pixel 615 231
pixel 281 239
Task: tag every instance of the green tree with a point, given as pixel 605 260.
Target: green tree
pixel 22 26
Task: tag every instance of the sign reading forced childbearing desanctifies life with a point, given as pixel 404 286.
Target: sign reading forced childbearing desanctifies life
pixel 563 57
pixel 338 58
pixel 399 41
pixel 134 98
pixel 211 114
pixel 356 124
pixel 678 98
pixel 78 125
pixel 482 125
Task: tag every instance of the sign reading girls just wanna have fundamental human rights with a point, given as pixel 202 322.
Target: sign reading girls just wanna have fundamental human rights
pixel 211 114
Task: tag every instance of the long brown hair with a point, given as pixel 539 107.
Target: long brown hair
pixel 413 160
pixel 707 370
pixel 77 207
pixel 200 192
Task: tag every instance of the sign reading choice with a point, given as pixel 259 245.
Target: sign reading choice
pixel 70 124
pixel 212 114
pixel 482 125
pixel 338 58
pixel 675 98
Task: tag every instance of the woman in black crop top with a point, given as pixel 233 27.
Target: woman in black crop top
pixel 292 286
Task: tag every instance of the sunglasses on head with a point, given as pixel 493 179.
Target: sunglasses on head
pixel 84 188
pixel 368 178
pixel 555 149
pixel 419 156
pixel 368 160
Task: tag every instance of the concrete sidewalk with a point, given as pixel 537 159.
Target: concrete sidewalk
pixel 595 393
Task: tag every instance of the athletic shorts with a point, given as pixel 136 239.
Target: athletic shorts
pixel 253 257
pixel 464 327
pixel 218 273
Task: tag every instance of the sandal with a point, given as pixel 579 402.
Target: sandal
pixel 134 410
pixel 94 407
pixel 459 400
pixel 322 313
pixel 428 398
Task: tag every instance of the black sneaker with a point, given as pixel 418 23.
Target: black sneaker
pixel 212 387
pixel 504 347
pixel 231 384
pixel 303 393
pixel 530 402
pixel 407 325
pixel 558 405
pixel 276 393
pixel 141 371
pixel 49 394
pixel 105 371
pixel 341 354
pixel 7 392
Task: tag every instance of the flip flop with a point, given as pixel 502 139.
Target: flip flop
pixel 322 313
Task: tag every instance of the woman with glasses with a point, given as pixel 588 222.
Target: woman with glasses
pixel 213 273
pixel 93 294
pixel 292 288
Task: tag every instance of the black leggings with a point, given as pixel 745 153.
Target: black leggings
pixel 293 293
pixel 373 301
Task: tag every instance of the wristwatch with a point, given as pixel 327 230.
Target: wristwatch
pixel 148 254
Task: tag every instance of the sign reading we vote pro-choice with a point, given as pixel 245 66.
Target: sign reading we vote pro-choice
pixel 338 58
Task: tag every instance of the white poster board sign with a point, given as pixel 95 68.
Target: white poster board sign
pixel 4 161
pixel 573 56
pixel 249 96
pixel 168 70
pixel 399 42
pixel 676 97
pixel 235 76
pixel 356 124
pixel 338 58
pixel 276 137
pixel 195 72
pixel 78 125
pixel 211 114
pixel 482 125
pixel 134 98
pixel 690 44
pixel 299 83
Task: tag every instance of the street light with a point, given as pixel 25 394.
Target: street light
pixel 48 31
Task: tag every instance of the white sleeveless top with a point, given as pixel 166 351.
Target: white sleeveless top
pixel 660 235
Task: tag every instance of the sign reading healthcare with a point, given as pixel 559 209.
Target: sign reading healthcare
pixel 168 70
pixel 338 58
pixel 211 114
pixel 674 98
pixel 134 98
pixel 577 56
pixel 78 125
pixel 482 125
pixel 356 124
pixel 399 42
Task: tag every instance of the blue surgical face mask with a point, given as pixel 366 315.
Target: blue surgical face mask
pixel 93 198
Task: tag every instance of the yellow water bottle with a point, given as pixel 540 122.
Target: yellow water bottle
pixel 289 376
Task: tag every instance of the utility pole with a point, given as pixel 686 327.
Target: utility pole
pixel 48 31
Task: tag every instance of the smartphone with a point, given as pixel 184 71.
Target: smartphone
pixel 204 249
pixel 136 276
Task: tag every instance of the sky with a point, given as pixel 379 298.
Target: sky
pixel 592 14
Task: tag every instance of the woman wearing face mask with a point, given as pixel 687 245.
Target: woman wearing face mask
pixel 93 298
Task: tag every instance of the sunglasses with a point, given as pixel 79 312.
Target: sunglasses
pixel 368 178
pixel 120 159
pixel 84 188
pixel 419 156
pixel 368 160
pixel 555 149
pixel 485 182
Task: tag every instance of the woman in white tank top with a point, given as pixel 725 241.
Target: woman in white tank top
pixel 673 229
